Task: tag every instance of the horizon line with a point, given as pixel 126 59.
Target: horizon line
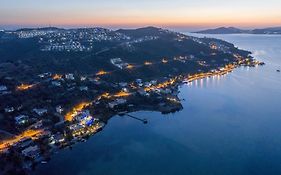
pixel 15 27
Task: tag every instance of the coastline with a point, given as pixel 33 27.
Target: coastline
pixel 172 83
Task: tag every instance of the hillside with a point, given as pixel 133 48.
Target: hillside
pixel 88 50
pixel 233 30
pixel 223 30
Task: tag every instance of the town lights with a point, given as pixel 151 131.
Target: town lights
pixel 70 115
pixel 57 77
pixel 105 95
pixel 122 94
pixel 4 144
pixel 214 46
pixel 102 72
pixel 24 87
pixel 147 63
pixel 164 61
pixel 130 66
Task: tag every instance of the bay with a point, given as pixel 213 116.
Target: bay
pixel 229 125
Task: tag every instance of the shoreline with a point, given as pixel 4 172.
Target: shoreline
pixel 153 109
pixel 172 104
pixel 175 82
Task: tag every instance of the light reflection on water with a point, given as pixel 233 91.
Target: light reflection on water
pixel 207 82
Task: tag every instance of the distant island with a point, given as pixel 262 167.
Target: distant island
pixel 61 86
pixel 233 30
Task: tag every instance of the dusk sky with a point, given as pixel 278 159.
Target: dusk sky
pixel 187 14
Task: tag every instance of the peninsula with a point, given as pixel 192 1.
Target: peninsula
pixel 61 86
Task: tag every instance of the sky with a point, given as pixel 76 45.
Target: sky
pixel 175 14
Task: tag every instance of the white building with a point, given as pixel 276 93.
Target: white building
pixel 40 112
pixel 3 88
pixel 69 76
pixel 9 109
pixel 21 119
pixel 59 109
pixel 32 152
pixel 117 102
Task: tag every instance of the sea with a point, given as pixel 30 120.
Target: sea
pixel 229 125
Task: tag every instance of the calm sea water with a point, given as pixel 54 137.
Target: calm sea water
pixel 229 125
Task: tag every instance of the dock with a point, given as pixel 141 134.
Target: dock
pixel 139 119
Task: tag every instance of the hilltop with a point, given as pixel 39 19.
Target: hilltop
pixel 88 50
pixel 233 30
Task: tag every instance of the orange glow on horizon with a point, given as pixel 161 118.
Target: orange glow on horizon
pixel 181 22
pixel 133 13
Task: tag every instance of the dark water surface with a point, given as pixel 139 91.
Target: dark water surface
pixel 229 125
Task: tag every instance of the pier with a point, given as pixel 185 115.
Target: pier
pixel 142 120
